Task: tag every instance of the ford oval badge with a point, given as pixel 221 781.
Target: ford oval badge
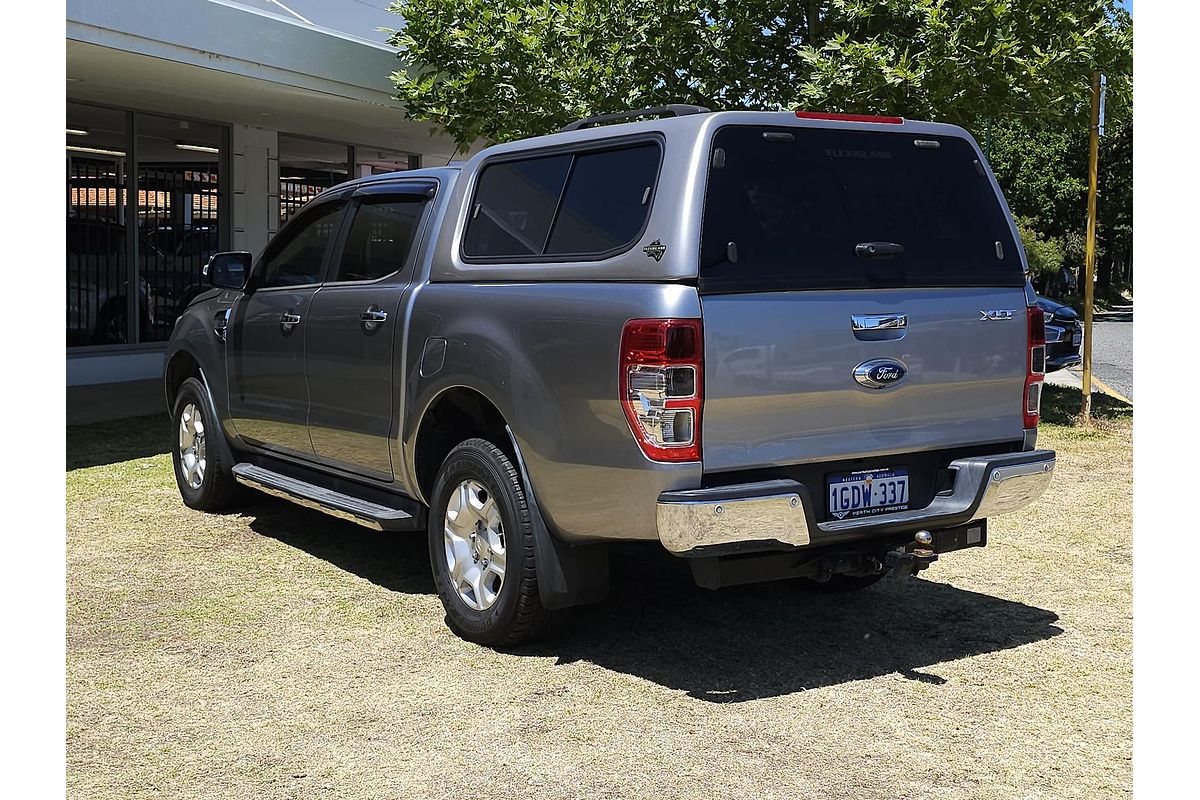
pixel 880 373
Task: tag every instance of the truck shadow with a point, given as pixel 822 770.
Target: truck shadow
pixel 765 640
pixel 737 644
pixel 397 562
pixel 100 443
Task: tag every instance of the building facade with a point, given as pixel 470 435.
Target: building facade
pixel 195 126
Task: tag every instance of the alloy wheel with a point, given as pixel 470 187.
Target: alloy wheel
pixel 192 451
pixel 474 539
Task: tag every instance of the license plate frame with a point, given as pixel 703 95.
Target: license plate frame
pixel 849 495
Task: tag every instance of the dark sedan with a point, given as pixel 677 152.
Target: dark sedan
pixel 1064 334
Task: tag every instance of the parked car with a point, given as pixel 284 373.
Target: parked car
pixel 98 283
pixel 176 273
pixel 1064 334
pixel 780 345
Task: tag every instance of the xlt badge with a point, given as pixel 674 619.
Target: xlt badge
pixel 996 313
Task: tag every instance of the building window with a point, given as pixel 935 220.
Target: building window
pixel 374 161
pixel 178 184
pixel 308 167
pixel 174 219
pixel 97 226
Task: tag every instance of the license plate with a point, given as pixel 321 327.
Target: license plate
pixel 875 491
pixel 1077 338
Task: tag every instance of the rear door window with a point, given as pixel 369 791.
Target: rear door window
pixel 800 208
pixel 380 238
pixel 588 204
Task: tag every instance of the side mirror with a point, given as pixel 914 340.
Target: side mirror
pixel 229 270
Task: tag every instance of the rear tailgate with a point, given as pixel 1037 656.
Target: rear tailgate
pixel 794 300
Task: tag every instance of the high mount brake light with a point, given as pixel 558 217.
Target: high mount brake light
pixel 662 386
pixel 1035 366
pixel 849 117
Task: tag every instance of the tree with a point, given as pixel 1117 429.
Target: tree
pixel 1045 255
pixel 503 69
pixel 1042 168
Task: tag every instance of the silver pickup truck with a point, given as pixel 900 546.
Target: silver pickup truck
pixel 781 345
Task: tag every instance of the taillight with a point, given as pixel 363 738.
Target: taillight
pixel 1035 365
pixel 662 386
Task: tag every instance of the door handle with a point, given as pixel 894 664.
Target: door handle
pixel 372 318
pixel 878 322
pixel 289 321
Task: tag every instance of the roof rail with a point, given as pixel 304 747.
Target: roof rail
pixel 674 109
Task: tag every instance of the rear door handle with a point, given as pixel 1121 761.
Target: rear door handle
pixel 878 322
pixel 289 321
pixel 372 318
pixel 878 249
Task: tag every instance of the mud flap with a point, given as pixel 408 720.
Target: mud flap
pixel 567 575
pixel 222 441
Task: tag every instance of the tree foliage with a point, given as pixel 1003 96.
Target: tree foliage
pixel 1045 254
pixel 503 69
pixel 1014 72
pixel 1043 170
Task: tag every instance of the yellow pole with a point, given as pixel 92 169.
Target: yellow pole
pixel 1090 257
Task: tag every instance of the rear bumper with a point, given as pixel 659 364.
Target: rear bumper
pixel 778 514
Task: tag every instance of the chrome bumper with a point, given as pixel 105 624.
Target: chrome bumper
pixel 780 513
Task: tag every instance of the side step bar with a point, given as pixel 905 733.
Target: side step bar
pixel 337 504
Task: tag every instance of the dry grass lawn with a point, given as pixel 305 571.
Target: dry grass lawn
pixel 279 653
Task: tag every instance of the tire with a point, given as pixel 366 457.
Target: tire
pixel 840 584
pixel 491 523
pixel 111 325
pixel 205 481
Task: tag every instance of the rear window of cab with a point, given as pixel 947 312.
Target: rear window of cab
pixel 792 208
pixel 576 205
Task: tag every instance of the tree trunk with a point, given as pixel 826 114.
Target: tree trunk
pixel 814 23
pixel 1104 272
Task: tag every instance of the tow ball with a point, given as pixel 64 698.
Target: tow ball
pixel 911 559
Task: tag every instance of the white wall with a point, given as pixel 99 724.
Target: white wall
pixel 113 367
pixel 255 165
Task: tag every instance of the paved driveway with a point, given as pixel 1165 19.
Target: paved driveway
pixel 1112 351
pixel 1112 355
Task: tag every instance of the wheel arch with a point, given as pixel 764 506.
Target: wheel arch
pixel 568 575
pixel 180 366
pixel 455 414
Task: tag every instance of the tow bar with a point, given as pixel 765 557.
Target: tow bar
pixel 904 561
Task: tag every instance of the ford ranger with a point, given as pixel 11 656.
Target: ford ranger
pixel 783 345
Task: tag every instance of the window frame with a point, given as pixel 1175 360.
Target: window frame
pixel 574 149
pixel 421 189
pixel 327 197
